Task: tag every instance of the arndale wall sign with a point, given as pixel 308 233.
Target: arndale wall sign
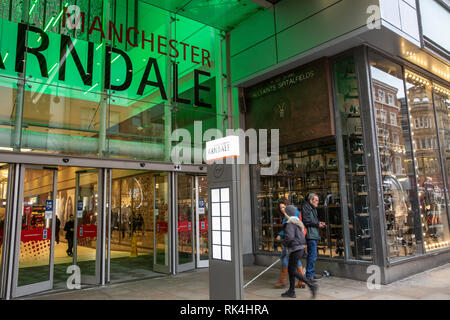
pixel 47 53
pixel 222 148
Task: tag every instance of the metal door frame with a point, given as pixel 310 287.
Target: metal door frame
pixel 8 233
pixel 199 263
pixel 39 286
pixel 99 277
pixel 189 265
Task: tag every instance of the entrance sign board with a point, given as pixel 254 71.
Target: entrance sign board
pixel 222 148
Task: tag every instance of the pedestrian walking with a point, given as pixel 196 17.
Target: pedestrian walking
pixel 294 241
pixel 282 204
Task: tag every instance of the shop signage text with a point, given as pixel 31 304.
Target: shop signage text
pixel 222 148
pixel 67 48
pixel 75 20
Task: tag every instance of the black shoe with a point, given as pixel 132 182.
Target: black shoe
pixel 314 288
pixel 317 277
pixel 311 279
pixel 289 294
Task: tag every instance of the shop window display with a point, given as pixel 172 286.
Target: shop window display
pixel 357 208
pixel 430 180
pixel 441 96
pixel 403 227
pixel 303 170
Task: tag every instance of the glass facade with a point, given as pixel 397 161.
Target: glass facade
pixel 357 184
pixel 426 116
pixel 105 78
pixel 115 79
pixel 411 126
pixel 399 184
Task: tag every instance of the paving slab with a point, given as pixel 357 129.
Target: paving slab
pixel 194 285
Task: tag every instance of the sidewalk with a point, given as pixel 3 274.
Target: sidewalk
pixel 430 285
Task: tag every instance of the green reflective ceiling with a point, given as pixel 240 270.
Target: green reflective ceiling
pixel 221 14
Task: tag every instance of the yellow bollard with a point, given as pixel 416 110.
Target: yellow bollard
pixel 133 253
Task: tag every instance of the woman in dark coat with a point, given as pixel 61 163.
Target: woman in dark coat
pixel 294 241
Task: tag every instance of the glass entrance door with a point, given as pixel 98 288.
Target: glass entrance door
pixel 33 265
pixel 201 217
pixel 88 219
pixel 185 223
pixel 161 227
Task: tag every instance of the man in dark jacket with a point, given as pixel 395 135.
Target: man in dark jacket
pixel 68 228
pixel 294 241
pixel 311 221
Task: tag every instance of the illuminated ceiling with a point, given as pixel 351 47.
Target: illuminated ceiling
pixel 221 14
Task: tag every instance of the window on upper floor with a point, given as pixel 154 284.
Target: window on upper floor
pixel 383 116
pixel 381 96
pixel 391 99
pixel 393 118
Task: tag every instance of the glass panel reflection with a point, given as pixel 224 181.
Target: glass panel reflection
pixel 442 105
pixel 428 163
pixel 355 167
pixel 403 228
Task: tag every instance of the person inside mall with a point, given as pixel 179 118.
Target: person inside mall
pixel 68 228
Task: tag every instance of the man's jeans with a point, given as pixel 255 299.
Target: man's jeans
pixel 285 258
pixel 311 260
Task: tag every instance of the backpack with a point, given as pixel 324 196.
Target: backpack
pixel 305 231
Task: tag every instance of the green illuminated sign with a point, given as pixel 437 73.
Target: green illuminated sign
pixel 54 58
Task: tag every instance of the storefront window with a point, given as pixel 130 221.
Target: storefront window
pixel 297 103
pixel 428 163
pixel 442 104
pixel 303 170
pixel 403 227
pixel 357 208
